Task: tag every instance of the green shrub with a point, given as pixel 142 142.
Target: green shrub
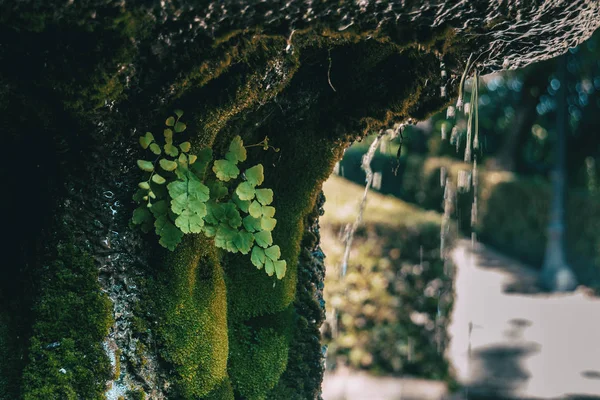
pixel 513 217
pixel 394 303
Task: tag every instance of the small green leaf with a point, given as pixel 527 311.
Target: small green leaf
pixel 255 175
pixel 251 224
pixel 144 142
pixel 190 222
pixel 268 211
pixel 155 149
pixel 167 165
pixel 170 121
pixel 242 204
pixel 159 208
pixel 183 160
pixel 168 135
pixel 217 190
pixel 141 215
pixel 237 151
pixel 231 215
pixel 224 237
pixel 151 194
pixel 264 196
pixel 245 191
pixel 170 235
pixel 212 211
pixel 273 252
pixel 190 194
pixel 159 180
pixel 267 224
pixel 139 195
pixel 218 212
pixel 205 155
pixel 209 230
pixel 243 241
pixel 199 166
pixel 144 185
pixel 192 158
pixel 171 150
pixel 180 127
pixel 280 267
pixel 179 113
pixel 185 146
pixel 263 238
pixel 225 170
pixel 188 199
pixel 145 165
pixel 258 257
pixel 149 137
pixel 255 209
pixel 269 266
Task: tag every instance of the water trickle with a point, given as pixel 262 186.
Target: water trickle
pixel 383 148
pixel 444 131
pixel 448 208
pixel 464 181
pixel 377 180
pixel 443 176
pixel 336 168
pixel 590 166
pixel 450 112
pixel 351 228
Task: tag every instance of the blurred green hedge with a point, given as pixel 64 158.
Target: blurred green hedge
pixel 393 306
pixel 513 217
pixel 512 213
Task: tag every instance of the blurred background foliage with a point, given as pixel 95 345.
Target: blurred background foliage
pixel 387 313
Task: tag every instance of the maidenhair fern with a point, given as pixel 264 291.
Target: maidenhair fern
pixel 179 196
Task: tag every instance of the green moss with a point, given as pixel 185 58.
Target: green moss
pixel 258 357
pixel 192 317
pixel 223 391
pixel 257 294
pixel 66 359
pixel 304 372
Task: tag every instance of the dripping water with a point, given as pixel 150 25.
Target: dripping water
pixel 351 228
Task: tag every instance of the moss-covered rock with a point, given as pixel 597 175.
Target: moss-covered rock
pixel 79 81
pixel 191 312
pixel 72 318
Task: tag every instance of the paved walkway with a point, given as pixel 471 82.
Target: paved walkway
pixel 509 340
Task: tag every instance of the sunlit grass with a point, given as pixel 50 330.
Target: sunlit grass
pixel 342 204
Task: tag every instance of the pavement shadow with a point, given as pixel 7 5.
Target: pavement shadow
pixel 498 372
pixel 519 278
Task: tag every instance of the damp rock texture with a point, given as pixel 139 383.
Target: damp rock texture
pixel 91 308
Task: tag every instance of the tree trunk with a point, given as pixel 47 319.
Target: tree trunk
pixel 556 273
pixel 534 85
